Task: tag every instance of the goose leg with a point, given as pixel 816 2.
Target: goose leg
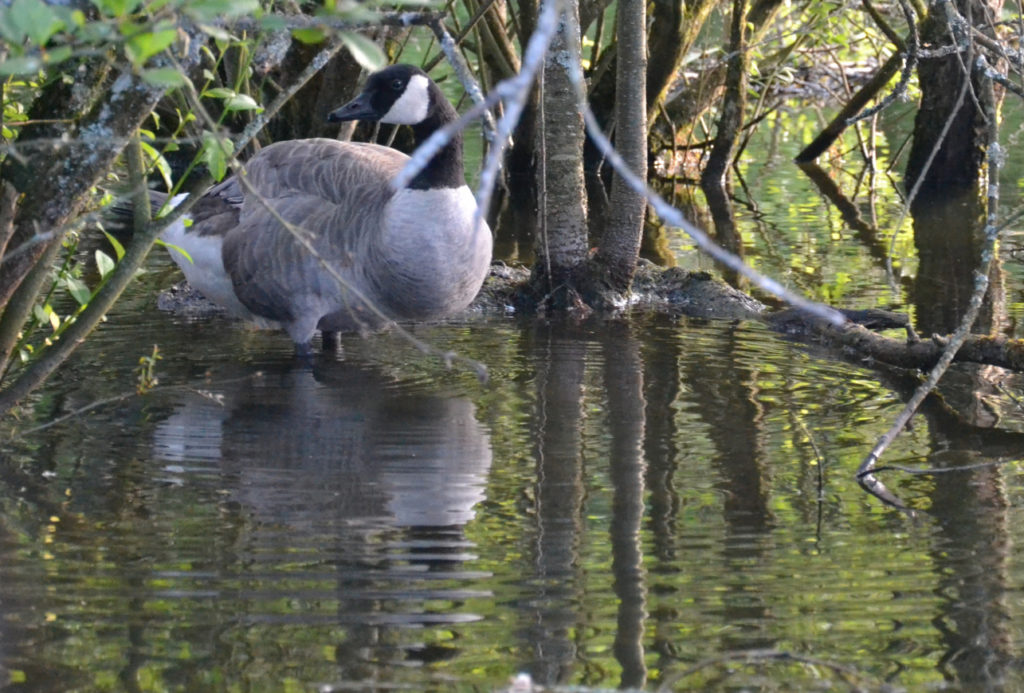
pixel 301 331
pixel 329 341
pixel 304 351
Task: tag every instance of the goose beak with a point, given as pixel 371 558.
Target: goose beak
pixel 358 108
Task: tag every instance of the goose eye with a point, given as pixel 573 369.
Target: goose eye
pixel 397 85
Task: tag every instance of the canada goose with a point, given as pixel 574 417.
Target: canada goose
pixel 411 254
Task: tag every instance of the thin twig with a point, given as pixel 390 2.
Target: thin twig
pixel 930 471
pixel 463 73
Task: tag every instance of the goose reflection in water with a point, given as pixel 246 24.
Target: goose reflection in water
pixel 341 476
pixel 340 441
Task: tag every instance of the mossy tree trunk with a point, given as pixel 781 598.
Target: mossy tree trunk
pixel 562 239
pixel 619 246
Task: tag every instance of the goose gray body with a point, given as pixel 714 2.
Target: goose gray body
pixel 413 254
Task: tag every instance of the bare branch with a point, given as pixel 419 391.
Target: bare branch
pixel 913 51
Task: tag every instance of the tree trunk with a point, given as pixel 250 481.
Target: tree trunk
pixel 620 241
pixel 562 241
pixel 731 117
pixel 946 172
pixel 951 129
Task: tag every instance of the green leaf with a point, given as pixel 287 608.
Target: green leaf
pixel 25 65
pixel 57 54
pixel 313 34
pixel 217 32
pixel 116 244
pixel 241 102
pixel 159 162
pixel 33 18
pixel 365 52
pixel 216 152
pixel 273 22
pixel 219 93
pixel 166 77
pixel 210 10
pixel 116 8
pixel 78 289
pixel 104 263
pixel 7 29
pixel 233 101
pixel 171 246
pixel 143 46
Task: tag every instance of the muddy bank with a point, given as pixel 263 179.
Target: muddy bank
pixel 672 291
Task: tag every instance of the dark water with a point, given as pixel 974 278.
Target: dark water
pixel 623 502
pixel 651 503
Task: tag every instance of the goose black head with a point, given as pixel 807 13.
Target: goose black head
pixel 399 95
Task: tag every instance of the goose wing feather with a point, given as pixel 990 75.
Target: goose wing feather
pixel 216 212
pixel 334 193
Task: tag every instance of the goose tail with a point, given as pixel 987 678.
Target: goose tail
pixel 119 216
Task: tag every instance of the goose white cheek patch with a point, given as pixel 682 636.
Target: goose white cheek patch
pixel 412 106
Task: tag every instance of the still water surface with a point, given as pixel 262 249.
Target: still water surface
pixel 621 503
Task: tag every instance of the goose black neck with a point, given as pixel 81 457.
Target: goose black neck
pixel 445 170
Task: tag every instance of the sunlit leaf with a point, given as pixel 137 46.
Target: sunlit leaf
pixel 104 263
pixel 166 77
pixel 143 46
pixel 242 102
pixel 209 10
pixel 365 52
pixel 219 93
pixel 217 32
pixel 116 244
pixel 312 35
pixel 233 101
pixel 116 8
pixel 216 152
pixel 78 290
pixel 158 161
pixel 171 246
